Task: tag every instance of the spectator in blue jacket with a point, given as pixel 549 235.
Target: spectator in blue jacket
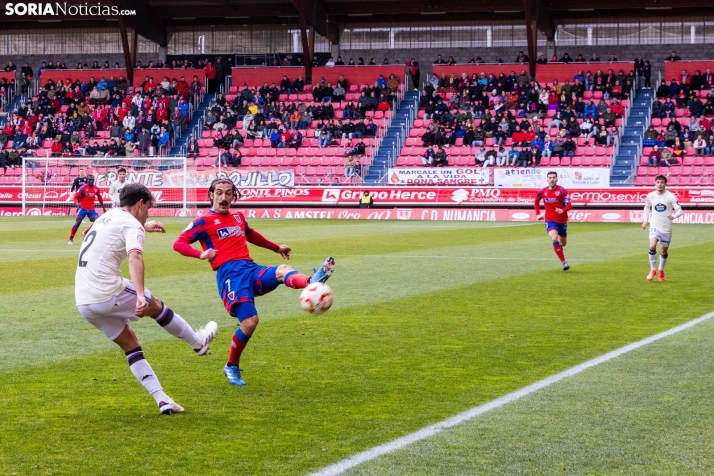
pixel 183 107
pixel 590 110
pixel 164 141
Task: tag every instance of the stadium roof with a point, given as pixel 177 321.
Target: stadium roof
pixel 155 19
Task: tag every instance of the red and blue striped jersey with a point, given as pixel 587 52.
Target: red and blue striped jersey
pixel 86 196
pixel 226 233
pixel 552 199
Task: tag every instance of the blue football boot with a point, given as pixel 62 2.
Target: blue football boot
pixel 233 374
pixel 324 272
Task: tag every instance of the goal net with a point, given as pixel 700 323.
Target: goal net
pixel 47 183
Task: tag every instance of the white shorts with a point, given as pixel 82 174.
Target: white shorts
pixel 111 317
pixel 663 238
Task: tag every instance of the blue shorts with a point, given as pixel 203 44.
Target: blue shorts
pixel 240 281
pixel 92 214
pixel 554 225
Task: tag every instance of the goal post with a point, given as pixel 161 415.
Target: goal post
pixel 46 182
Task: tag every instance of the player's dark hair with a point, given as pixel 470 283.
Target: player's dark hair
pixel 552 172
pixel 90 178
pixel 121 170
pixel 132 193
pixel 661 177
pixel 220 180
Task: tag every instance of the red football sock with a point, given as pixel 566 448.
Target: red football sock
pixel 296 280
pixel 559 251
pixel 72 233
pixel 237 347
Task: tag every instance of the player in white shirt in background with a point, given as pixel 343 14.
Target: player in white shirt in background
pixel 664 209
pixel 110 302
pixel 114 190
pixel 116 186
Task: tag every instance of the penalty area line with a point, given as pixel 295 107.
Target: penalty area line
pixel 394 445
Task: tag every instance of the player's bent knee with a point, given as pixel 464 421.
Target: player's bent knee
pixel 127 340
pixel 249 324
pixel 282 270
pixel 155 306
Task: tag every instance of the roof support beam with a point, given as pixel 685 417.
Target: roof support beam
pixel 127 52
pixel 306 49
pixel 314 13
pixel 144 22
pixel 537 18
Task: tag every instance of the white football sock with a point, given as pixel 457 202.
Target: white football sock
pixel 662 262
pixel 145 375
pixel 653 261
pixel 178 327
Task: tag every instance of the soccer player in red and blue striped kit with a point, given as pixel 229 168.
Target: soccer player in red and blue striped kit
pixel 224 237
pixel 85 197
pixel 556 203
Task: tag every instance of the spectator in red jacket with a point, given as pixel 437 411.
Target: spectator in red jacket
pixel 182 87
pixel 56 148
pixel 211 72
pixel 161 112
pixel 617 108
pixel 148 84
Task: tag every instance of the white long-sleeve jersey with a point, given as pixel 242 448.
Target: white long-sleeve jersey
pixel 660 206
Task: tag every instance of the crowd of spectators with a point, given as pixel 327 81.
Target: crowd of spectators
pixel 518 108
pixel 263 115
pixel 69 115
pixel 671 139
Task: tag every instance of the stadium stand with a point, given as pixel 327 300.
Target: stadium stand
pixel 475 112
pixel 482 115
pixel 679 139
pixel 93 113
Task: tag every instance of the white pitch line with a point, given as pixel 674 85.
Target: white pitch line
pixel 481 258
pixel 38 250
pixel 342 466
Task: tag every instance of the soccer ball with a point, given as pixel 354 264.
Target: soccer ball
pixel 316 298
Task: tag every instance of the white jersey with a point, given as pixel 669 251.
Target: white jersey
pixel 111 239
pixel 661 205
pixel 114 190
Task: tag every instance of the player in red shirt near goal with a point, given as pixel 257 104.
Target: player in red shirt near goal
pixel 224 237
pixel 556 203
pixel 85 197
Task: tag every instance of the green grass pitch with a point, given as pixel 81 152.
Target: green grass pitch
pixel 430 319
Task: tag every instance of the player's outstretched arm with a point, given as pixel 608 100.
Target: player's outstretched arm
pixel 136 272
pixel 284 251
pixel 183 246
pixel 154 227
pixel 257 239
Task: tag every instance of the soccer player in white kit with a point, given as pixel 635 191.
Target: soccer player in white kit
pixel 114 190
pixel 116 186
pixel 664 209
pixel 110 302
